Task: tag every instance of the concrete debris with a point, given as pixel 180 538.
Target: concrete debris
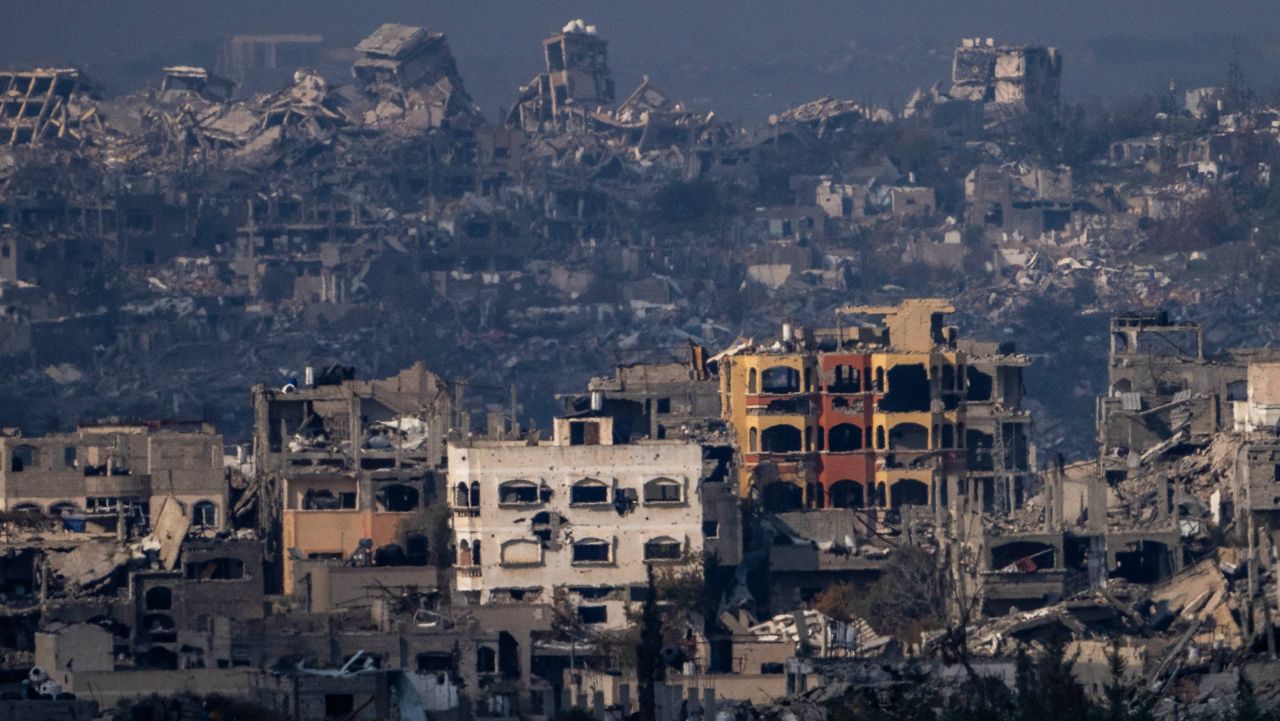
pixel 89 563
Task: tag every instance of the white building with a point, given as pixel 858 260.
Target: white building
pixel 579 514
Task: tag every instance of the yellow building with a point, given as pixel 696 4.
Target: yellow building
pixel 871 415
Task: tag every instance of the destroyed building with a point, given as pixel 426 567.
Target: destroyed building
pixel 577 80
pixel 342 464
pixel 1165 391
pixel 112 476
pixel 1026 202
pixel 679 399
pixel 1028 77
pixel 47 106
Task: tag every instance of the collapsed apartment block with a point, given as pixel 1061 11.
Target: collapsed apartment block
pixel 414 68
pixel 46 105
pixel 1165 392
pixel 1022 202
pixel 1028 77
pixel 862 416
pixel 345 467
pixel 577 80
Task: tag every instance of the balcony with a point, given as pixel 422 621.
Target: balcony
pixel 783 407
pixel 468 578
pixel 468 524
pixel 118 485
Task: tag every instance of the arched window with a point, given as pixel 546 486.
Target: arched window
pixel 662 549
pixel 417 549
pixel 846 494
pixel 591 550
pixel 909 437
pixel 844 438
pixel 475 553
pixel 846 380
pixel 753 440
pixel 662 490
pixel 159 598
pixel 475 494
pixel 204 514
pixel 880 437
pixel 461 498
pixel 486 660
pixel 518 493
pixel 908 492
pixel 464 553
pixel 751 380
pixel 27 508
pixel 781 439
pixel 588 491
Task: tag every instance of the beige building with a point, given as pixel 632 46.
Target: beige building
pixel 106 472
pixel 579 515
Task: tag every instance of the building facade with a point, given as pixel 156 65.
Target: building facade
pixel 850 417
pixel 109 474
pixel 577 520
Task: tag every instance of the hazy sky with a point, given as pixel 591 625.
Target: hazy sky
pixel 697 50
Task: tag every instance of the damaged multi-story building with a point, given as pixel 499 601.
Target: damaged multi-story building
pixel 1028 77
pixel 576 82
pixel 584 514
pixel 1165 391
pixel 345 467
pixel 868 415
pixel 112 476
pixel 1019 201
